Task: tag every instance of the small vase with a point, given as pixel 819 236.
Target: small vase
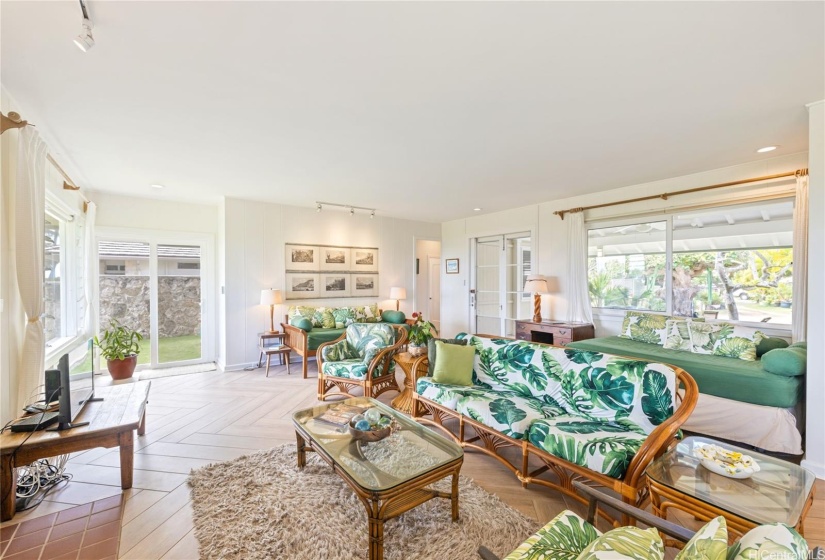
pixel 415 350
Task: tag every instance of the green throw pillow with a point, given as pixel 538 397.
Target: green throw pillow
pixel 394 317
pixel 302 323
pixel 626 543
pixel 453 364
pixel 768 343
pixel 432 350
pixel 802 344
pixel 709 543
pixel 772 541
pixel 791 361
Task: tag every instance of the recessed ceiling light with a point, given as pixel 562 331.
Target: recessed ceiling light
pixel 476 209
pixel 766 149
pixel 156 186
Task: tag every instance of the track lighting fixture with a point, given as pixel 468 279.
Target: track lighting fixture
pixel 350 207
pixel 85 41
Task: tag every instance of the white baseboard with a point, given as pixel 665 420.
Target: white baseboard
pixel 239 367
pixel 817 469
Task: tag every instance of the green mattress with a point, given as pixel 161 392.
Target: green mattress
pixel 719 376
pixel 316 337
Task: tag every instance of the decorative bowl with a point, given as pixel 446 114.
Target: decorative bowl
pixel 725 462
pixel 370 435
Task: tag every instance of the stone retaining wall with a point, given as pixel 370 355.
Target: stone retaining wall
pixel 126 298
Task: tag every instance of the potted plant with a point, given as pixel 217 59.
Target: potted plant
pixel 120 346
pixel 420 332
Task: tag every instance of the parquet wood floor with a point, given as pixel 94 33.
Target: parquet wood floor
pixel 201 418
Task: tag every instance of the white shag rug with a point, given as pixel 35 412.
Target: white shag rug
pixel 261 506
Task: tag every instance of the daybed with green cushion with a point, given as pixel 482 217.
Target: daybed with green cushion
pixel 569 537
pixel 308 327
pixel 361 357
pixel 579 414
pixel 743 400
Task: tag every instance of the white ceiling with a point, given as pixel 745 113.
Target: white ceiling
pixel 421 110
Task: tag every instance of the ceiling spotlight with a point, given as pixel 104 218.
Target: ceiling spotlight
pixel 476 209
pixel 318 208
pixel 352 211
pixel 372 214
pixel 157 186
pixel 766 149
pixel 85 40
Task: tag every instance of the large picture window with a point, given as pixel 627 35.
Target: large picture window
pixel 731 263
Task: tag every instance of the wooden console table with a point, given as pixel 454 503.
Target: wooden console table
pixel 112 422
pixel 554 332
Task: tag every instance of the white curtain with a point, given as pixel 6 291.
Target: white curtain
pixel 579 300
pixel 29 230
pixel 90 253
pixel 800 260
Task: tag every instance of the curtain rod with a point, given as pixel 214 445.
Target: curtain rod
pixel 664 196
pixel 13 120
pixel 68 184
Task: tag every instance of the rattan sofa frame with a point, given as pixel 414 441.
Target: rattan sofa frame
pixel 489 441
pixel 371 386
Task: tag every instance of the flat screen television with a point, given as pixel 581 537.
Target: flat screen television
pixel 72 400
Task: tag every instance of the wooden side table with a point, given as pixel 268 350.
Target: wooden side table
pixel 413 367
pixel 270 344
pixel 554 332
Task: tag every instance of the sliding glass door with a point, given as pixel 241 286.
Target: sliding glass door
pixel 157 286
pixel 501 265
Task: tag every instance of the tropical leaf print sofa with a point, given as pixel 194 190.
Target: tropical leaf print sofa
pixel 572 412
pixel 742 398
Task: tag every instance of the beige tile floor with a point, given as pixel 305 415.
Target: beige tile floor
pixel 214 416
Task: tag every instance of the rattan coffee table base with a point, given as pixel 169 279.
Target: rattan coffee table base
pixel 663 498
pixel 384 505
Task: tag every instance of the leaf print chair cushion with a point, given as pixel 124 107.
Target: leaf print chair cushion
pixel 626 543
pixel 604 447
pixel 709 543
pixel 774 541
pixel 351 357
pixel 564 538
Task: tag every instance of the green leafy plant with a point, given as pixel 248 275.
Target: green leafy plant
pixel 421 331
pixel 118 342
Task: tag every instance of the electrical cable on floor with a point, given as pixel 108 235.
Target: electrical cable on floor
pixel 38 479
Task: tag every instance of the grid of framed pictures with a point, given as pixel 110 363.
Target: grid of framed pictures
pixel 327 271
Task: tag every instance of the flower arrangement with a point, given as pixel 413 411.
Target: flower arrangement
pixel 421 331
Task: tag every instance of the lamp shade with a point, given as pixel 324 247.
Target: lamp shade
pixel 398 293
pixel 271 297
pixel 535 284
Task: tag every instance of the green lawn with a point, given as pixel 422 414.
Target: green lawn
pixel 171 349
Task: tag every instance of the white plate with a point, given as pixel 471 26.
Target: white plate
pixel 715 467
pixel 745 467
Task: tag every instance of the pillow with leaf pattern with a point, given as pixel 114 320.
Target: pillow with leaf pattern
pixel 647 327
pixel 677 335
pixel 709 543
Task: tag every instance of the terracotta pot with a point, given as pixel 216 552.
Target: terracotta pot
pixel 122 369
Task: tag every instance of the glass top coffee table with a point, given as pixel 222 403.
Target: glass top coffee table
pixel 388 476
pixel 780 492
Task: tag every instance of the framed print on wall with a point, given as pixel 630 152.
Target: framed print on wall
pixel 302 285
pixel 365 285
pixel 363 259
pixel 335 285
pixel 301 258
pixel 335 258
pixel 452 266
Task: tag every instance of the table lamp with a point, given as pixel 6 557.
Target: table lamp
pixel 271 298
pixel 537 285
pixel 398 294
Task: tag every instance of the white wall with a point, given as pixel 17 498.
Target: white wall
pixel 815 419
pixel 255 234
pixel 156 215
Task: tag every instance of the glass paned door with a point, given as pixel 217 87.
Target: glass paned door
pixel 502 263
pixel 156 289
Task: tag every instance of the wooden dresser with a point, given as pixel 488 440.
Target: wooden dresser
pixel 553 332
